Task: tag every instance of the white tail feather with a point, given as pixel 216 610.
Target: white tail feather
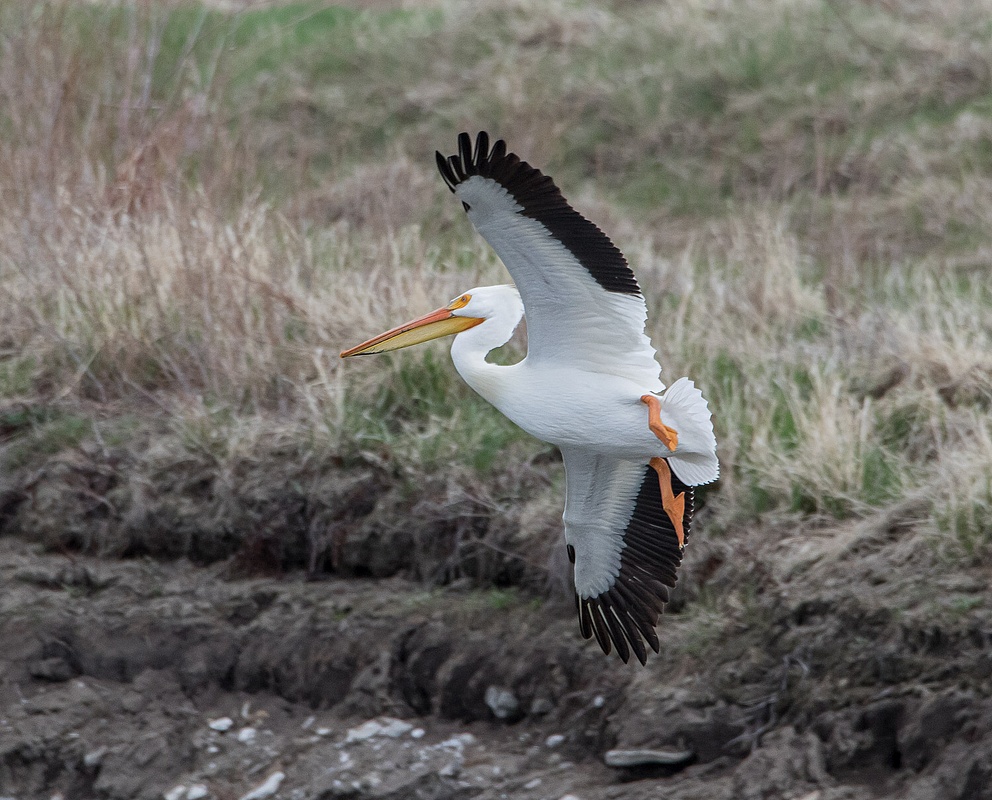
pixel 684 408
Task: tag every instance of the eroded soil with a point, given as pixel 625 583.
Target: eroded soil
pixel 143 678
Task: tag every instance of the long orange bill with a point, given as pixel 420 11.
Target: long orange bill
pixel 430 326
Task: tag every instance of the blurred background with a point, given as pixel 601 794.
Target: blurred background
pixel 205 515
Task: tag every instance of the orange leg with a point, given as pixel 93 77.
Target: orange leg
pixel 666 435
pixel 674 506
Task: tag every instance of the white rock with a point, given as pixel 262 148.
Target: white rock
pixel 363 732
pixel 394 728
pixel 267 788
pixel 450 770
pixel 323 731
pixel 197 792
pixel 417 733
pixel 554 740
pixel 502 702
pixel 598 701
pixel 247 735
pixel 569 797
pixel 371 780
pixel 94 757
pixel 308 722
pixel 221 724
pixel 454 743
pixel 533 784
pixel 213 749
pixel 640 758
pixel 175 793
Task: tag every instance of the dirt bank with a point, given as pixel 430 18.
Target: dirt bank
pixel 818 664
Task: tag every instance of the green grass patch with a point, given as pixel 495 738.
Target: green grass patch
pixel 17 375
pixel 881 477
pixel 38 432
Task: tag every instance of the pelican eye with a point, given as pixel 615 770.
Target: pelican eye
pixel 461 302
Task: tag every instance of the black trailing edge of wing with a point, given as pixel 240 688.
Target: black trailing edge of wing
pixel 542 201
pixel 625 615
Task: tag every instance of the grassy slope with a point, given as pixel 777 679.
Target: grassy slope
pixel 199 213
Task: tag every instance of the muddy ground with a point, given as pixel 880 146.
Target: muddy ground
pixel 829 663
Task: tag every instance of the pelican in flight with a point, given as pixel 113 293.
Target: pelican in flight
pixel 589 384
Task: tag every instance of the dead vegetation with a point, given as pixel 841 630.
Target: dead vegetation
pixel 200 212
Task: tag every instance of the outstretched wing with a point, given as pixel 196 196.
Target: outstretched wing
pixel 581 300
pixel 624 547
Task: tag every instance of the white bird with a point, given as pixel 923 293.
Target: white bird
pixel 589 384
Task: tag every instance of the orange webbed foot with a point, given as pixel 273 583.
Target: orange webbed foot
pixel 674 506
pixel 666 435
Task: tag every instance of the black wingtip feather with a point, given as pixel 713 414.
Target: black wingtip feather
pixel 457 169
pixel 465 153
pixel 481 155
pixel 585 624
pixel 599 628
pixel 445 170
pixel 615 629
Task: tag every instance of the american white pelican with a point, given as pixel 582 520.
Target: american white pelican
pixel 589 384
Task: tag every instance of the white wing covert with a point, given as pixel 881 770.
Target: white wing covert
pixel 582 303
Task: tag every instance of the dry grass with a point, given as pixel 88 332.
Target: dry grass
pixel 197 214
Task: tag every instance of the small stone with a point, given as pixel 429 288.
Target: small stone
pixel 394 728
pixel 454 743
pixel 450 770
pixel 247 735
pixel 212 748
pixel 197 792
pixel 502 702
pixel 371 780
pixel 94 757
pixel 598 701
pixel 323 731
pixel 532 784
pixel 363 732
pixel 221 724
pixel 308 722
pixel 646 758
pixel 267 788
pixel 417 733
pixel 175 793
pixel 554 740
pixel 569 797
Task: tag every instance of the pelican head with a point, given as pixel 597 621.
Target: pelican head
pixel 471 308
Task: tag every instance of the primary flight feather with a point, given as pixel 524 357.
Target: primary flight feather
pixel 633 451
